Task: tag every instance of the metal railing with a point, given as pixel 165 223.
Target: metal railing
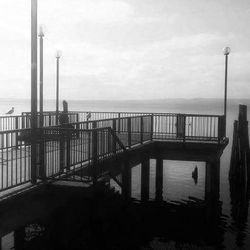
pixel 165 125
pixel 74 150
pixel 68 147
pixel 15 164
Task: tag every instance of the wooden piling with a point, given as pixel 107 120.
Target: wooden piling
pixel 159 179
pixel 212 182
pixel 240 156
pixel 126 178
pixel 145 178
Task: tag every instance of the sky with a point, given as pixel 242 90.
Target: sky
pixel 129 49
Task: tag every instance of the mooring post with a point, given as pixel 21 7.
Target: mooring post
pixel 145 178
pixel 244 142
pixel 212 182
pixel 240 155
pixel 126 178
pixel 159 179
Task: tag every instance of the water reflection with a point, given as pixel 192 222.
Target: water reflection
pixel 240 196
pixel 107 221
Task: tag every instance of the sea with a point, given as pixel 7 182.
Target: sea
pixel 178 184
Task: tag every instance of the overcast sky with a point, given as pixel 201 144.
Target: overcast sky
pixel 129 49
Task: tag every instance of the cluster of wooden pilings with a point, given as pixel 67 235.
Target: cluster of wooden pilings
pixel 240 157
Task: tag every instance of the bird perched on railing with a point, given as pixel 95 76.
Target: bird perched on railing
pixel 10 111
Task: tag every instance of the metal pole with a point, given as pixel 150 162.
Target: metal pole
pixel 41 80
pixel 225 93
pixel 57 89
pixel 33 87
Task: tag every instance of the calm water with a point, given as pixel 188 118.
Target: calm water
pixel 178 183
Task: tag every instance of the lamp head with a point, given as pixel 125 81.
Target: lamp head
pixel 58 54
pixel 226 51
pixel 41 30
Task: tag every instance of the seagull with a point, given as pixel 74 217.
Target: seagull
pixel 10 111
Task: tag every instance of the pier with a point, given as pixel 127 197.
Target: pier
pixel 82 149
pixel 99 146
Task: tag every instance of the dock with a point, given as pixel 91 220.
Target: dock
pixel 98 146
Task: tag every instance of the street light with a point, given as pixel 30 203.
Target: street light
pixel 226 52
pixel 58 55
pixel 41 35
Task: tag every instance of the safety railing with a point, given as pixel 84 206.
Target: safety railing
pixel 67 151
pixel 67 147
pixel 15 164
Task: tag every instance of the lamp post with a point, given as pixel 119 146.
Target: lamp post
pixel 58 55
pixel 41 35
pixel 226 52
pixel 33 89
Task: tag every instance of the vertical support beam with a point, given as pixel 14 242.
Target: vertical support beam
pixel 225 92
pixel 159 179
pixel 221 128
pixel 212 183
pixel 57 89
pixel 41 80
pixel 129 131
pixel 94 152
pixel 145 178
pixel 33 89
pixel 126 178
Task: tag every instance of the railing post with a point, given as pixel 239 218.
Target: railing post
pixel 119 126
pixel 151 126
pixel 42 156
pixel 129 131
pixel 62 150
pixel 141 132
pixel 49 119
pixel 23 122
pixel 16 127
pixel 94 152
pixel 16 122
pixel 68 151
pixel 113 138
pixel 184 128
